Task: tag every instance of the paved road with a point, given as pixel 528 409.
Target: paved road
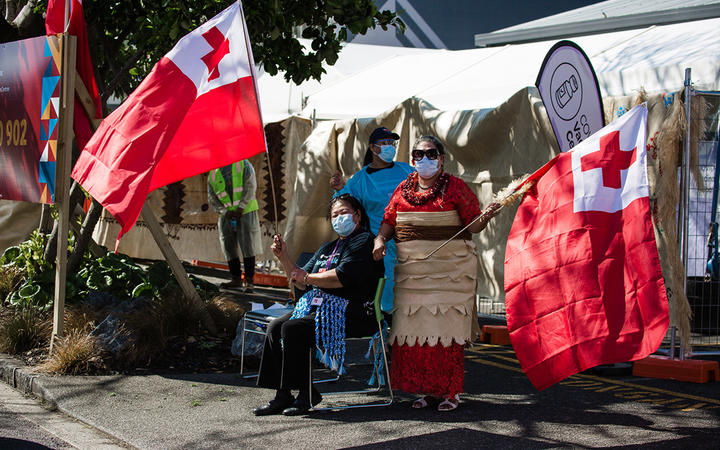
pixel 26 425
pixel 500 410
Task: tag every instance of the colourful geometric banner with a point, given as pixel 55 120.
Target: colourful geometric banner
pixel 29 102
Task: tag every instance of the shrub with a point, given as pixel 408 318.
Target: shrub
pixel 177 314
pixel 24 329
pixel 81 318
pixel 29 256
pixel 226 313
pixel 146 335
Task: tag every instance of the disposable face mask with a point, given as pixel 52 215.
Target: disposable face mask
pixel 387 153
pixel 343 224
pixel 427 168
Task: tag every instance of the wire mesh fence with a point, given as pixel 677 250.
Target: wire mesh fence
pixel 491 308
pixel 703 268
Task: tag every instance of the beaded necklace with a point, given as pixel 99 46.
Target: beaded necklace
pixel 417 199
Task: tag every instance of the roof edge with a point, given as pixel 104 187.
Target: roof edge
pixel 596 26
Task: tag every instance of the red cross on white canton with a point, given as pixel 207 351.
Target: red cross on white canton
pixel 609 169
pixel 220 47
pixel 610 159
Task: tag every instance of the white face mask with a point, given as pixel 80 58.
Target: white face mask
pixel 427 168
pixel 387 153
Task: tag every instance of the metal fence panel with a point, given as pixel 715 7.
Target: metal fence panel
pixel 703 289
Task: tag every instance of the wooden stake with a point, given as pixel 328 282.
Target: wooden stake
pixel 86 101
pixel 62 179
pixel 176 266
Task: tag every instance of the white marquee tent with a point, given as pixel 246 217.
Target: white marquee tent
pixel 369 80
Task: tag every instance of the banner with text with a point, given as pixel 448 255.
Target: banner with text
pixel 29 101
pixel 571 94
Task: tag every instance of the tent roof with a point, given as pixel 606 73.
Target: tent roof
pixel 280 98
pixel 613 9
pixel 368 81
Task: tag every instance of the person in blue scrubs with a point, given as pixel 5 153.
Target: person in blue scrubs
pixel 373 185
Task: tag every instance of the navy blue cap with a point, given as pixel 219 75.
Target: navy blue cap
pixel 382 133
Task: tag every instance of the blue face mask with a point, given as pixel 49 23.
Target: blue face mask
pixel 343 224
pixel 427 168
pixel 387 153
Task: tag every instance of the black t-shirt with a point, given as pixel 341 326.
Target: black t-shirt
pixel 352 259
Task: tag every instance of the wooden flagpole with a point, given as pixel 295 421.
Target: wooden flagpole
pixel 68 47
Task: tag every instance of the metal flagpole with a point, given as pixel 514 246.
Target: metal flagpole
pixel 683 215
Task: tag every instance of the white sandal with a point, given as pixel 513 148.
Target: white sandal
pixel 421 402
pixel 449 403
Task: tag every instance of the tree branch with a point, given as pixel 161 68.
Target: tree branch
pixel 110 88
pixel 25 15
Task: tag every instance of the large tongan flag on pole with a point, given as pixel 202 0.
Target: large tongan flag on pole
pixel 582 274
pixel 196 111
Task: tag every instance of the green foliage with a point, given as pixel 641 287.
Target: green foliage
pixel 114 274
pixel 28 256
pixel 128 37
pixel 26 261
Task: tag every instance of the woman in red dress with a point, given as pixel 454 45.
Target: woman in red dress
pixel 435 313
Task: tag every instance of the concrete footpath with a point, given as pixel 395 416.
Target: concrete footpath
pixel 500 410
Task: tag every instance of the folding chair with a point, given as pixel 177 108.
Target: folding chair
pixel 378 385
pixel 261 318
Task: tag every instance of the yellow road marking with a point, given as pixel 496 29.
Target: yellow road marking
pixel 492 363
pixel 651 389
pixel 596 378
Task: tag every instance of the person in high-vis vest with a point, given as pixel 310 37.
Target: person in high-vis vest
pixel 231 193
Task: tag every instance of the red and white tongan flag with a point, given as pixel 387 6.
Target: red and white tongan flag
pixel 196 111
pixel 582 273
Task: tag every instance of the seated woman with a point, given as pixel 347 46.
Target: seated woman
pixel 342 276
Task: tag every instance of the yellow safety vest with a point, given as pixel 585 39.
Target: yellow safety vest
pixel 217 182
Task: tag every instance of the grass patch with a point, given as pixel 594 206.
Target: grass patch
pixel 10 279
pixel 147 338
pixel 24 329
pixel 76 353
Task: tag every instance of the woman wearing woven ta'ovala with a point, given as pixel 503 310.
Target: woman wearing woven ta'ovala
pixel 435 314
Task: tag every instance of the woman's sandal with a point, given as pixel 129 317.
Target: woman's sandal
pixel 449 403
pixel 422 402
